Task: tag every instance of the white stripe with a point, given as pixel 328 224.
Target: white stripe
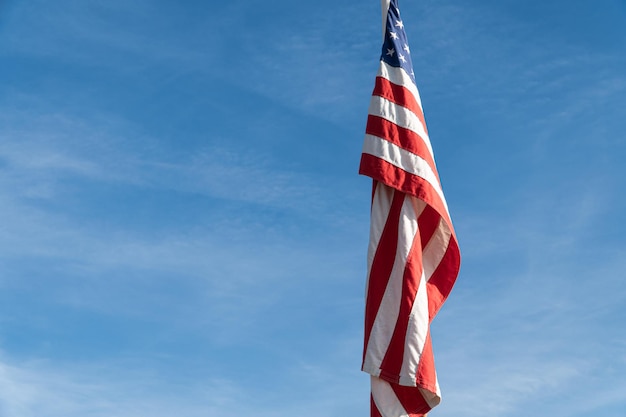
pixel 432 398
pixel 404 160
pixel 387 315
pixel 417 330
pixel 436 249
pixel 418 206
pixel 381 204
pixel 386 400
pixel 399 76
pixel 418 327
pixel 400 116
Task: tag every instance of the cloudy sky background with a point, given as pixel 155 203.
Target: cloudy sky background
pixel 183 230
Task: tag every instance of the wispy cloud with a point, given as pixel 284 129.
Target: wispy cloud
pixel 57 168
pixel 44 388
pixel 40 388
pixel 54 148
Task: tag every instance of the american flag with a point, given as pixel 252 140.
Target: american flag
pixel 413 256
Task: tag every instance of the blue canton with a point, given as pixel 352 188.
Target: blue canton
pixel 396 50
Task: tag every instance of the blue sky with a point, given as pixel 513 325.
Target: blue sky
pixel 184 231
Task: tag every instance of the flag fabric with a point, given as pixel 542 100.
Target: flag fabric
pixel 413 255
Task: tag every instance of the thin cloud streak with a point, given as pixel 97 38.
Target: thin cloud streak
pixel 73 151
pixel 41 388
pixel 37 388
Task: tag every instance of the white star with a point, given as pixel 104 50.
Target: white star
pixel 406 48
pixel 391 51
pixel 400 24
pixel 393 35
pixel 401 57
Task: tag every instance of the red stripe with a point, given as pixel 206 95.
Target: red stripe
pixel 374 410
pixel 406 182
pixel 412 400
pixel 426 374
pixel 443 278
pixel 382 264
pixel 404 138
pixel 428 222
pixel 391 365
pixel 399 95
pixel 374 185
